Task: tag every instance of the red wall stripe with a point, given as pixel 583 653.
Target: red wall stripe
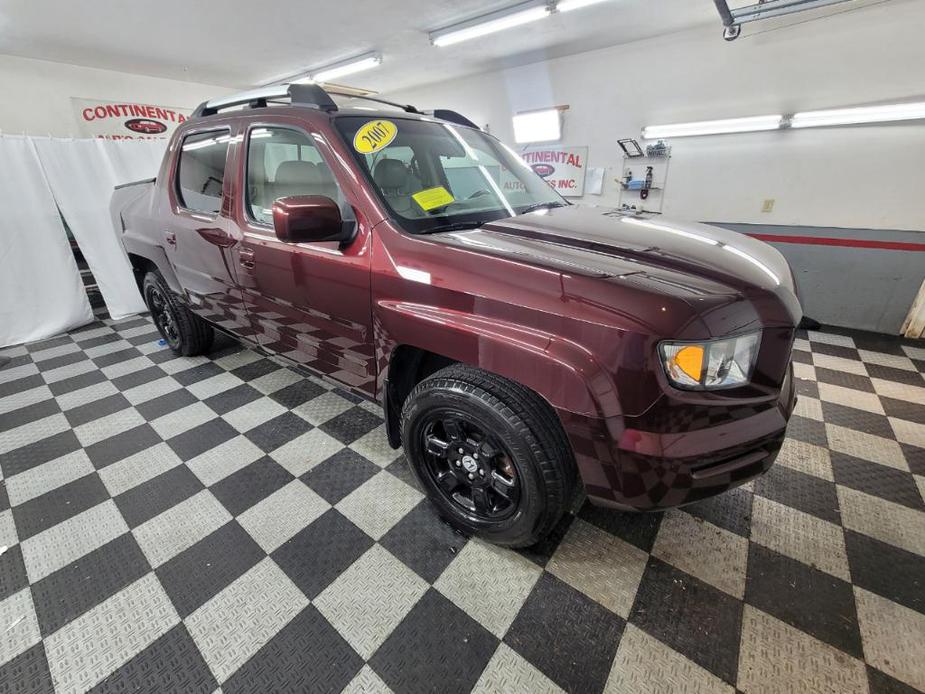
pixel 846 243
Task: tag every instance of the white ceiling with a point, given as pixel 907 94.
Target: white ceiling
pixel 238 43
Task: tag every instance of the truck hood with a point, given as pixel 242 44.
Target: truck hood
pixel 702 265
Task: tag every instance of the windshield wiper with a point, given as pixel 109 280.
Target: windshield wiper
pixel 455 226
pixel 543 206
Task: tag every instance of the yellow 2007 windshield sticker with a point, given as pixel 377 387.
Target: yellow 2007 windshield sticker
pixel 432 198
pixel 374 135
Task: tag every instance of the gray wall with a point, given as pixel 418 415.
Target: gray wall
pixel 863 288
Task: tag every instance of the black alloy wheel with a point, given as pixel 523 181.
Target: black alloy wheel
pixel 470 467
pixel 163 316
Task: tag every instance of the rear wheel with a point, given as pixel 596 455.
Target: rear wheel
pixel 184 332
pixel 490 454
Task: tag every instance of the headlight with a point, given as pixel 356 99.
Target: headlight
pixel 712 364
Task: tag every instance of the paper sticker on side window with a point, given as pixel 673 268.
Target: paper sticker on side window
pixel 432 198
pixel 374 135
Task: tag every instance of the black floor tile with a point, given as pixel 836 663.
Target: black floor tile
pixel 352 424
pixel 27 673
pixel 551 632
pixel 886 482
pixel 48 343
pixel 151 498
pixel 886 570
pixel 198 373
pixel 307 655
pixel 58 505
pixel 846 380
pixel 731 510
pixel 200 439
pixel 881 683
pixel 29 456
pixel 639 529
pixel 424 542
pixel 69 385
pixel 13 577
pixel 915 457
pixel 801 491
pixel 165 404
pixel 298 393
pixel 96 409
pixel 256 369
pixel 116 357
pixel 85 583
pixel 251 484
pixel 339 475
pixel 859 420
pixel 280 430
pixel 29 414
pixel 806 598
pixel 542 551
pixel 401 469
pixel 138 378
pixel 115 448
pixel 807 430
pixel 888 373
pixel 200 572
pixel 419 658
pixel 21 384
pixel 904 409
pixel 806 388
pixel 96 341
pixel 170 665
pixel 233 398
pixel 697 620
pixel 318 554
pixel 57 362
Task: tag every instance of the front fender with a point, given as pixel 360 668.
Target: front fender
pixel 562 372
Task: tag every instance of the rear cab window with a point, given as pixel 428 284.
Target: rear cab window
pixel 201 170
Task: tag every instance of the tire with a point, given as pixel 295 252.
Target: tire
pixel 490 413
pixel 185 332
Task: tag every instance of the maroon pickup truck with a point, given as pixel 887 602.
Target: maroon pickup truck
pixel 517 343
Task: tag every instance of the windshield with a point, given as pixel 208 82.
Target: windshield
pixel 434 175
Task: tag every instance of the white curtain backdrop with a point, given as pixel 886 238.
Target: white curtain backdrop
pixel 41 293
pixel 82 175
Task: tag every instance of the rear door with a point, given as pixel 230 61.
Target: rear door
pixel 201 240
pixel 309 302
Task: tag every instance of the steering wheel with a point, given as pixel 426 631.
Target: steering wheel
pixel 479 193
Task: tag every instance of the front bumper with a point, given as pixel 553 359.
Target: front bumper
pixel 700 453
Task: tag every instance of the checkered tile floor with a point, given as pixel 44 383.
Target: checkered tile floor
pixel 176 524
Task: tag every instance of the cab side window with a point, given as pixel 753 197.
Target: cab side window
pixel 201 171
pixel 282 163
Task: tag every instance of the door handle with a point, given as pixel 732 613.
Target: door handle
pixel 171 238
pixel 217 236
pixel 246 258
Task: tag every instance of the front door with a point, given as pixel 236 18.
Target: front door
pixel 201 239
pixel 309 302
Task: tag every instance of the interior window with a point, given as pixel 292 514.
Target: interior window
pixel 201 171
pixel 282 163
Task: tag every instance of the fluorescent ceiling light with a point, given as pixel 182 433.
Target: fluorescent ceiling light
pixel 537 126
pixel 567 5
pixel 347 67
pixel 855 116
pixel 713 127
pixel 489 24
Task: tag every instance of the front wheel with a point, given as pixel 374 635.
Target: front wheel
pixel 490 454
pixel 183 331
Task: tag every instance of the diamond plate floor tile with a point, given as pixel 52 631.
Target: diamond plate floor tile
pixel 379 504
pixel 48 476
pixel 644 665
pixel 602 566
pixel 490 584
pixel 240 620
pixel 282 514
pixel 27 673
pixel 892 637
pixel 776 657
pixel 19 623
pixel 367 682
pixel 368 600
pixel 713 555
pixel 508 672
pixel 888 522
pixel 106 637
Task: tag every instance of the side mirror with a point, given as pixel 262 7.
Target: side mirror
pixel 310 219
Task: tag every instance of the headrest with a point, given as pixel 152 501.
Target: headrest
pixel 390 173
pixel 297 173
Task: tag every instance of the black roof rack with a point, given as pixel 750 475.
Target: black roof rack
pixel 312 95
